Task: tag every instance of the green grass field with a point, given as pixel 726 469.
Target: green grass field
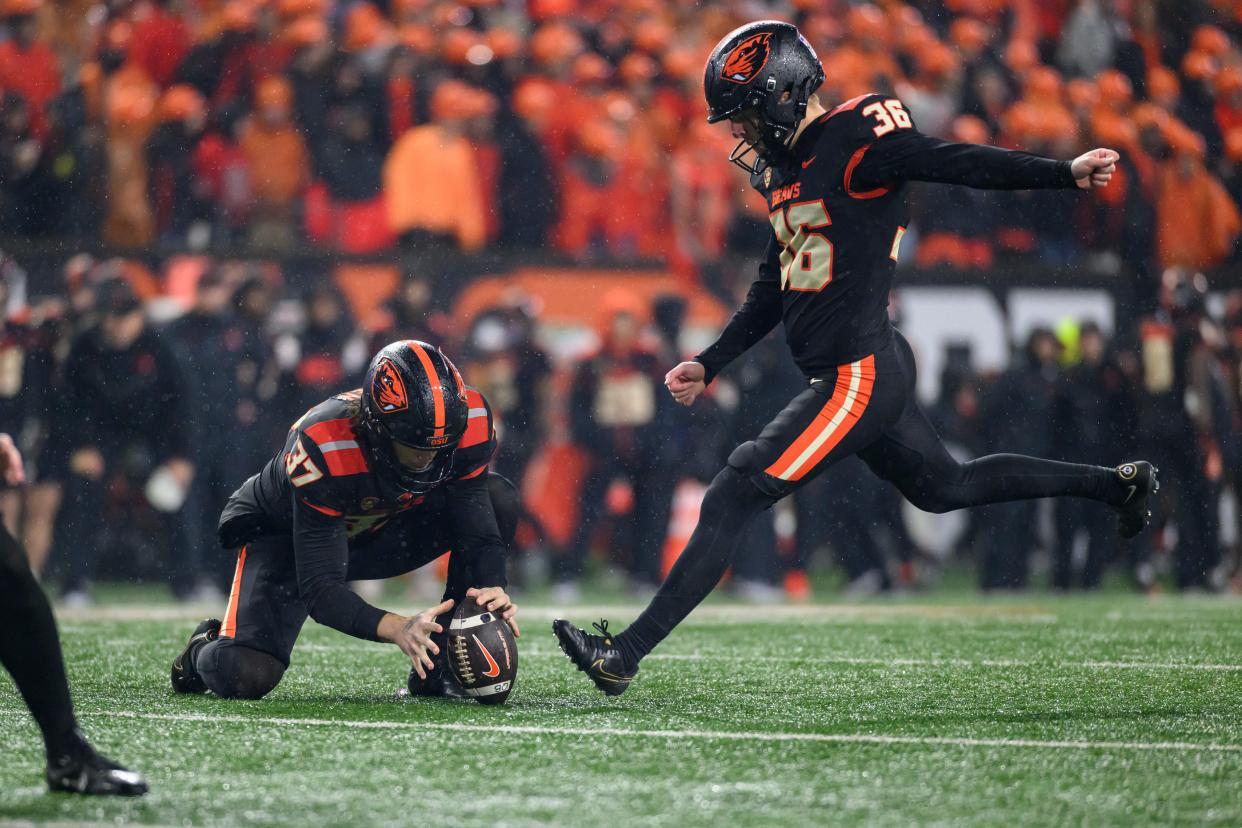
pixel 949 710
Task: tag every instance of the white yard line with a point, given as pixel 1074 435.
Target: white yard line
pixel 947 662
pixel 969 663
pixel 710 735
pixel 729 613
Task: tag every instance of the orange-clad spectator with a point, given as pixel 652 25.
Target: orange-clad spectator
pixel 1040 121
pixel 700 197
pixel 1211 40
pixel 1228 110
pixel 431 180
pixel 1197 221
pixel 1116 91
pixel 639 198
pixel 593 166
pixel 1082 95
pixel 28 65
pixel 160 42
pixel 278 161
pixel 865 63
pixel 129 107
pixel 1021 56
pixel 1163 87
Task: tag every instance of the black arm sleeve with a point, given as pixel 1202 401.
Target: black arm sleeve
pixel 759 314
pixel 475 532
pixel 909 155
pixel 321 550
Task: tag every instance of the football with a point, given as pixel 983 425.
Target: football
pixel 482 653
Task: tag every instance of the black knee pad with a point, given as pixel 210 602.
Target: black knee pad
pixel 745 459
pixel 732 492
pixel 506 503
pixel 235 672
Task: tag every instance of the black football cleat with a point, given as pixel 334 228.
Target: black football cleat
pixel 596 656
pixel 86 772
pixel 440 681
pixel 185 679
pixel 1138 482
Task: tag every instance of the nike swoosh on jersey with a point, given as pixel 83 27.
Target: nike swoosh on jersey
pixel 808 162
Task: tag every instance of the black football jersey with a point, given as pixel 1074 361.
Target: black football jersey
pixel 320 490
pixel 324 467
pixel 838 212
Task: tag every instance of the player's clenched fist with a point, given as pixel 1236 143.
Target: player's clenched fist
pixel 685 382
pixel 1095 168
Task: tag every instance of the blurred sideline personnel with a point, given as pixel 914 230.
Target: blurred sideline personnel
pixel 1186 416
pixel 124 412
pixel 833 182
pixel 30 651
pixel 371 484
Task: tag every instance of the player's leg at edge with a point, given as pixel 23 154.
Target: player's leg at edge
pixel 30 650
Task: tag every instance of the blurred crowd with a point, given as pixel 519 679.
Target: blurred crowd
pixel 139 416
pixel 577 125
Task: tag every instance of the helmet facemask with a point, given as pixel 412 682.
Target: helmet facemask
pixel 382 448
pixel 777 122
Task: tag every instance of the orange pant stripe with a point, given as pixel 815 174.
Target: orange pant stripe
pixel 838 416
pixel 229 628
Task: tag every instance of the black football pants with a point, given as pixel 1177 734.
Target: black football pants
pixel 265 612
pixel 868 408
pixel 30 650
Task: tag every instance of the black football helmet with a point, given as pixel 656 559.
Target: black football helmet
pixel 412 396
pixel 750 69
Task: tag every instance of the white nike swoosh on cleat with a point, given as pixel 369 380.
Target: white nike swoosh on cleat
pixel 1130 496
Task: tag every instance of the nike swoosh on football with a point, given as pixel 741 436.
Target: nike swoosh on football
pixel 493 669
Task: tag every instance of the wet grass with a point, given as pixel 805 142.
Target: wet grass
pixel 1049 711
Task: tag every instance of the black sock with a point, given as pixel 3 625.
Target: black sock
pixel 730 503
pixel 30 651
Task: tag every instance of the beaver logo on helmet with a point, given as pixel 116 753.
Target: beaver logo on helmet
pixel 747 58
pixel 388 389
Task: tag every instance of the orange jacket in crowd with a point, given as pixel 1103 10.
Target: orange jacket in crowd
pixel 129 99
pixel 431 183
pixel 278 160
pixel 1197 222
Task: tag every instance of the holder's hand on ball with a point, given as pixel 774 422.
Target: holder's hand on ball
pixel 413 635
pixel 495 599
